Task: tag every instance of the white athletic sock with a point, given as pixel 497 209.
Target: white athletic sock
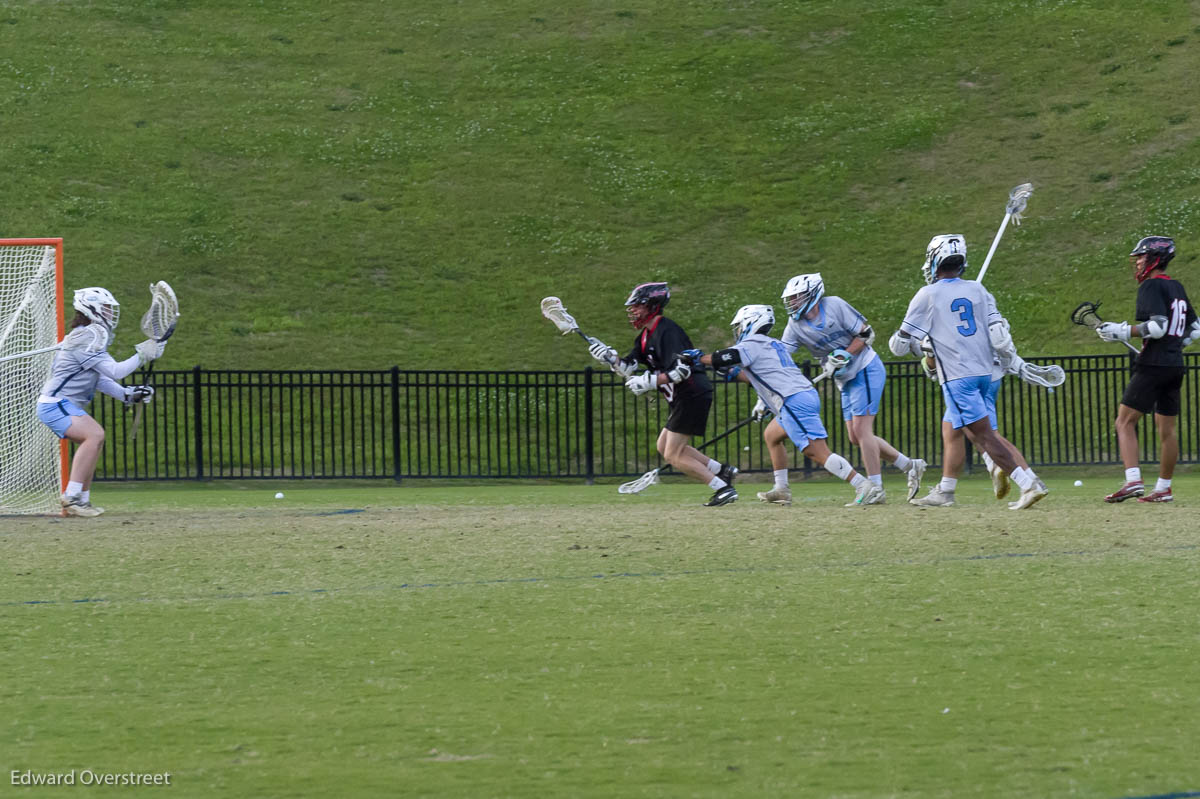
pixel 858 480
pixel 74 488
pixel 1162 484
pixel 988 462
pixel 714 466
pixel 902 462
pixel 781 478
pixel 1022 477
pixel 877 479
pixel 948 485
pixel 716 484
pixel 1133 475
pixel 85 495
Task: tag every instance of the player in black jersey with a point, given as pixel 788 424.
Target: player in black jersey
pixel 1166 324
pixel 658 345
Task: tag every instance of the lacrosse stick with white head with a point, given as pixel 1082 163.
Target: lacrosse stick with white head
pixel 1012 211
pixel 158 324
pixel 1085 314
pixel 651 477
pixel 552 309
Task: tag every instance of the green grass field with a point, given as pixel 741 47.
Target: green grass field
pixel 562 640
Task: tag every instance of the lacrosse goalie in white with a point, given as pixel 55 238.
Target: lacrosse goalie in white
pixel 82 366
pixel 964 329
pixel 839 336
pixel 766 364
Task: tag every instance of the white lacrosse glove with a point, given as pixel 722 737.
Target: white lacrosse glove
pixel 928 361
pixel 1113 331
pixel 680 373
pixel 837 361
pixel 643 383
pixel 138 394
pixel 1193 334
pixel 150 349
pixel 760 411
pixel 603 353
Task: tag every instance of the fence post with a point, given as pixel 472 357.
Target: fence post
pixel 396 423
pixel 589 433
pixel 198 427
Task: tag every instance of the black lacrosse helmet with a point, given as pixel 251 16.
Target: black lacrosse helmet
pixel 654 295
pixel 1159 249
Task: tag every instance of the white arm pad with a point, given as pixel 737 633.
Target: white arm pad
pixel 902 344
pixel 1001 339
pixel 1154 327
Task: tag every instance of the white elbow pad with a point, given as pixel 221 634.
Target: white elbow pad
pixel 1154 327
pixel 900 343
pixel 1001 339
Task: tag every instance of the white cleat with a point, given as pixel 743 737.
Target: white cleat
pixel 1030 496
pixel 916 470
pixel 777 496
pixel 1000 483
pixel 868 494
pixel 936 498
pixel 75 506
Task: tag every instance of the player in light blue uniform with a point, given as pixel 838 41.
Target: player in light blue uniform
pixel 964 332
pixel 839 336
pixel 767 365
pixel 80 367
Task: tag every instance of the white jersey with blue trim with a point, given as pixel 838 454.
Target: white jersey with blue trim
pixel 836 326
pixel 768 364
pixel 84 365
pixel 955 314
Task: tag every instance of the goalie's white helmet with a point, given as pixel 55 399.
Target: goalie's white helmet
pixel 752 319
pixel 802 293
pixel 945 251
pixel 98 305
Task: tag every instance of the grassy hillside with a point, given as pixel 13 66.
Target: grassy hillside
pixel 368 183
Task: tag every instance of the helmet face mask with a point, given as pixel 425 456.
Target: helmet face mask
pixel 1158 252
pixel 802 293
pixel 99 306
pixel 946 251
pixel 645 302
pixel 752 319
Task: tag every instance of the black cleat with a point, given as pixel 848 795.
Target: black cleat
pixel 728 473
pixel 723 496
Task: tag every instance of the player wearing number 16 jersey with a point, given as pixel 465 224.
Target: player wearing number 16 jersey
pixel 960 319
pixel 1167 324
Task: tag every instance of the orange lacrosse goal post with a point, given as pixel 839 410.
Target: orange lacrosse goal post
pixel 33 462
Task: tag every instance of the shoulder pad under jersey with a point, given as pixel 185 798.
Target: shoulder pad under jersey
pixel 89 338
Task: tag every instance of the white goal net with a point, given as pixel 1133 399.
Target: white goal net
pixel 31 456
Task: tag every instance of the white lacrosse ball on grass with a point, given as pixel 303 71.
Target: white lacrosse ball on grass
pixel 1078 483
pixel 278 495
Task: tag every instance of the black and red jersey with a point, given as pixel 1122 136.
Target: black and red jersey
pixel 1160 295
pixel 657 347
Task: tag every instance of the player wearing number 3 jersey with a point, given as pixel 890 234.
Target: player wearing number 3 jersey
pixel 960 319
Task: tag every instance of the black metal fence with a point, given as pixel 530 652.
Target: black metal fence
pixel 397 424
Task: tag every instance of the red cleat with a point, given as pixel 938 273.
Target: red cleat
pixel 1125 492
pixel 1158 496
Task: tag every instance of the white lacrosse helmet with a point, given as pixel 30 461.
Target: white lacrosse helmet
pixel 752 319
pixel 945 251
pixel 99 305
pixel 802 293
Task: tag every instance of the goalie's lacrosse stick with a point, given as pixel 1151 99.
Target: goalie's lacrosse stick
pixel 651 477
pixel 158 323
pixel 1012 211
pixel 1085 314
pixel 552 309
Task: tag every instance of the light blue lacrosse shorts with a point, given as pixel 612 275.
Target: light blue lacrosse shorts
pixel 57 415
pixel 992 392
pixel 966 400
pixel 800 418
pixel 861 393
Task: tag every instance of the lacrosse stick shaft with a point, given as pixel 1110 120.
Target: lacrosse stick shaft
pixel 29 353
pixel 137 412
pixel 715 439
pixel 995 242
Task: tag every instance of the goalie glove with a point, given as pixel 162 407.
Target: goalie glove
pixel 603 353
pixel 1113 331
pixel 680 373
pixel 760 411
pixel 150 350
pixel 135 394
pixel 643 383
